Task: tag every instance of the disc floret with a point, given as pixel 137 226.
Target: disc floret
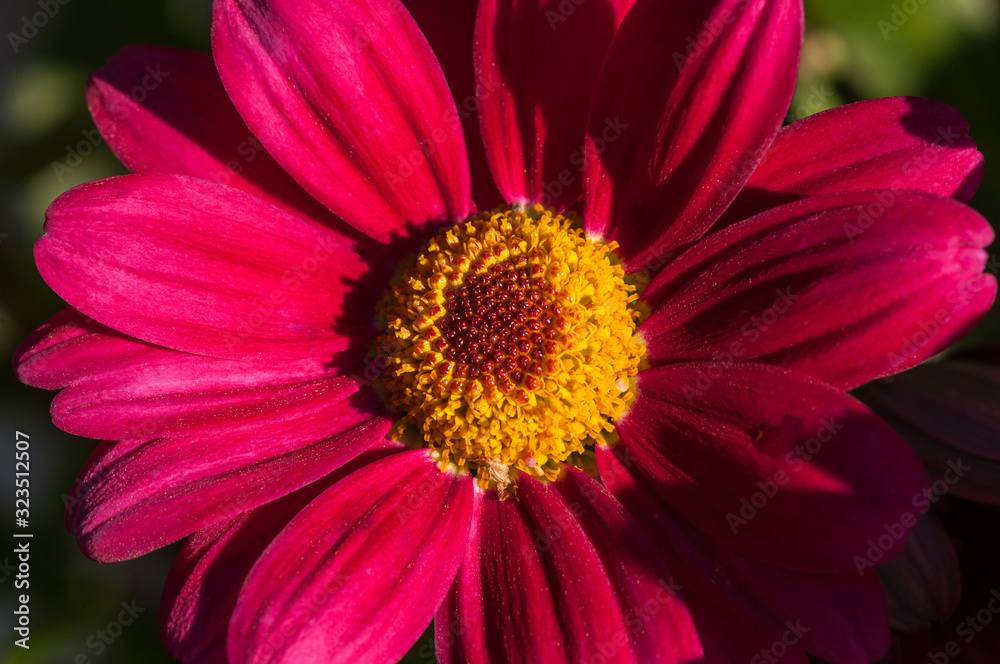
pixel 511 339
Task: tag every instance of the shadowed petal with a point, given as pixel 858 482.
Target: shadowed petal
pixel 949 412
pixel 658 623
pixel 449 26
pixel 923 585
pixel 840 618
pixel 534 100
pixel 767 461
pixel 205 580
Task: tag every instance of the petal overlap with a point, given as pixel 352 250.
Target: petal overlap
pixel 534 118
pixel 844 287
pixel 893 144
pixel 336 602
pixel 695 93
pixel 362 117
pixel 203 268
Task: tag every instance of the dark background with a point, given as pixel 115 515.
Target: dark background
pixel 854 49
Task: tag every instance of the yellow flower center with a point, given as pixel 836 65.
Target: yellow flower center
pixel 510 344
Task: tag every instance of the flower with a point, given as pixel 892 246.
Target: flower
pixel 686 481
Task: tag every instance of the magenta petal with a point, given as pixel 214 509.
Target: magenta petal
pixel 51 357
pixel 843 287
pixel 122 388
pixel 896 143
pixel 359 573
pixel 531 589
pixel 203 268
pixel 205 579
pixel 351 101
pixel 164 110
pixel 132 499
pixel 689 98
pixel 659 625
pixel 766 461
pixel 533 100
pixel 840 618
pixel 449 26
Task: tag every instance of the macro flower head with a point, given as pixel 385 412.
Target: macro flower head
pixel 529 319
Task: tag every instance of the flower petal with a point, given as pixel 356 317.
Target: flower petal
pixel 840 618
pixel 533 589
pixel 203 268
pixel 205 580
pixel 164 110
pixel 48 358
pixel 533 101
pixel 134 498
pixel 841 287
pixel 974 627
pixel 766 461
pixel 923 585
pixel 358 574
pixel 659 625
pixel 123 388
pixel 351 101
pixel 689 98
pixel 896 143
pixel 949 412
pixel 449 26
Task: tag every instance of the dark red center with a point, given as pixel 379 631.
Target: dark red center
pixel 503 326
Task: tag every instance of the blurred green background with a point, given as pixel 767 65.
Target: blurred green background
pixel 854 49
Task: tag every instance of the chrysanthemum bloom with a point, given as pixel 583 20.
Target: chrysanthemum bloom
pixel 613 379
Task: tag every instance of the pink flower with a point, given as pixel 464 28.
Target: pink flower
pixel 223 308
